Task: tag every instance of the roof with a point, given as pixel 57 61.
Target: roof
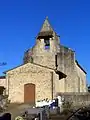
pixel 61 75
pixel 13 68
pixel 80 66
pixel 45 34
pixel 46 26
pixel 46 29
pixel 2 77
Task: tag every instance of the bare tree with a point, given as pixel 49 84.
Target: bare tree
pixel 3 63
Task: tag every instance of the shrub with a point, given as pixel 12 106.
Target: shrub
pixel 67 105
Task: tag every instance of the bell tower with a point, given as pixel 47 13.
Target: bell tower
pixel 48 37
pixel 47 42
pixel 46 47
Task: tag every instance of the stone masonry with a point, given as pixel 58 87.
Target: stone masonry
pixel 76 77
pixel 3 81
pixel 30 73
pixel 39 67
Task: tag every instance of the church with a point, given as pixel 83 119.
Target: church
pixel 48 69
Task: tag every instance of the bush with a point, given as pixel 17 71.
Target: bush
pixel 65 111
pixel 67 105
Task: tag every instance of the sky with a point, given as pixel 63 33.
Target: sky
pixel 21 20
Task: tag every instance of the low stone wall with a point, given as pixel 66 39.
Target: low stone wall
pixel 77 99
pixel 3 82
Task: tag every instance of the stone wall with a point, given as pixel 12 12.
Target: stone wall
pixel 76 79
pixel 42 56
pixel 29 73
pixel 46 80
pixel 66 64
pixel 78 99
pixel 3 82
pixel 42 77
pixel 81 79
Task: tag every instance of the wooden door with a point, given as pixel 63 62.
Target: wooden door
pixel 29 93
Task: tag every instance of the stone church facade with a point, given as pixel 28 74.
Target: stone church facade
pixel 48 66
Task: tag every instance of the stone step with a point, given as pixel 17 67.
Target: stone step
pixel 58 117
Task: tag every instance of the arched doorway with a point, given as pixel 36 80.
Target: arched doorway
pixel 29 93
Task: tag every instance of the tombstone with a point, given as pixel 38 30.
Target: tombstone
pixel 6 116
pixel 56 102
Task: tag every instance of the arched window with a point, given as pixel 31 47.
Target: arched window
pixel 47 43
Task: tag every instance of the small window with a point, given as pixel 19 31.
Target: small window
pixel 47 43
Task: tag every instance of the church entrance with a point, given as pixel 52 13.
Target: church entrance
pixel 29 93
